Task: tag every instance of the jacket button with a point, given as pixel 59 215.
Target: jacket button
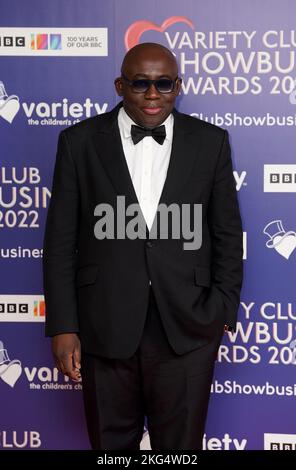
pixel 150 244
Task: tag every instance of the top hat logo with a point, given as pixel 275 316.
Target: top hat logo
pixel 3 94
pixel 10 371
pixel 9 105
pixel 283 242
pixel 4 359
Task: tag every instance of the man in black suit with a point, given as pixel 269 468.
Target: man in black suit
pixel 146 314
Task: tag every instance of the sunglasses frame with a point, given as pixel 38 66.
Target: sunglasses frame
pixel 151 82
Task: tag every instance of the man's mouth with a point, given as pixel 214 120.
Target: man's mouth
pixel 152 110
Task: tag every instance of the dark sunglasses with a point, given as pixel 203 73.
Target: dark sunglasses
pixel 141 85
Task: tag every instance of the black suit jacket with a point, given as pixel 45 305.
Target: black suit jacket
pixel 100 288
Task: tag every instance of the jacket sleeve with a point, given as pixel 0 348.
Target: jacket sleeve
pixel 60 245
pixel 226 234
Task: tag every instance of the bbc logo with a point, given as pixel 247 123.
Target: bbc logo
pixel 280 178
pixel 14 308
pixel 282 446
pixel 11 41
pixel 279 441
pixel 22 308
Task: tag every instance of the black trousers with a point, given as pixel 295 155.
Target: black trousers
pixel 172 391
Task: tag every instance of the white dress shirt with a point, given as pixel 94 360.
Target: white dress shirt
pixel 147 162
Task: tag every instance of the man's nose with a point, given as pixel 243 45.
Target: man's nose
pixel 152 93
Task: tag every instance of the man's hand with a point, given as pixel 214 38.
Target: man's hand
pixel 67 354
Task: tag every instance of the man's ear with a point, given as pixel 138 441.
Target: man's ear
pixel 118 86
pixel 178 86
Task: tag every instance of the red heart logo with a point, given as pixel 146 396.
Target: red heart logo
pixel 135 31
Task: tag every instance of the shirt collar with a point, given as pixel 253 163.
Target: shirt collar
pixel 125 123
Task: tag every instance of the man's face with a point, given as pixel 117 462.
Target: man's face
pixel 151 108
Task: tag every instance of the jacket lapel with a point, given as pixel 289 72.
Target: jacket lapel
pixel 110 151
pixel 183 157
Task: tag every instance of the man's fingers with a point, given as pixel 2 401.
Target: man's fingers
pixel 68 367
pixel 77 358
pixel 66 350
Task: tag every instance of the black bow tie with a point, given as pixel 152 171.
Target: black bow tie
pixel 138 133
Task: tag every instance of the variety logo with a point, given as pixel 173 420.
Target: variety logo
pixel 226 443
pixel 213 443
pixel 9 105
pixel 224 62
pixel 54 41
pixel 283 242
pixel 22 308
pixel 279 178
pixel 279 441
pixel 44 114
pixel 240 179
pixel 136 29
pixel 37 378
pixel 10 371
